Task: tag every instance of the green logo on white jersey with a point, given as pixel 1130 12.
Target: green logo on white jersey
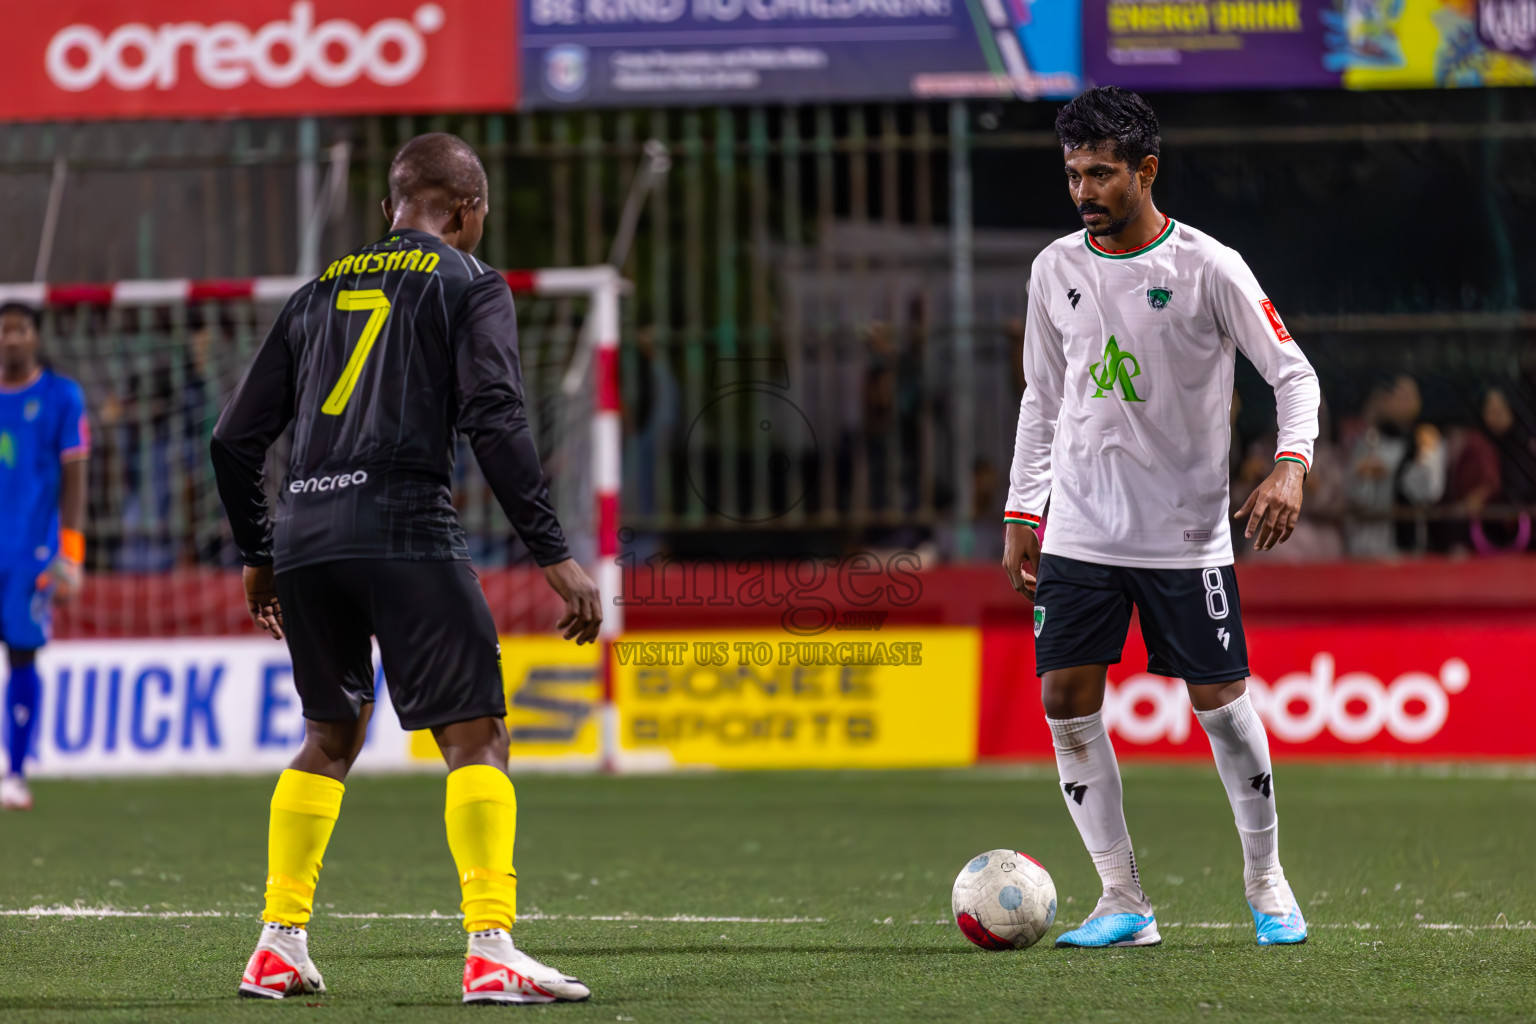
pixel 1117 368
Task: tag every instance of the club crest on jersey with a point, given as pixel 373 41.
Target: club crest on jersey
pixel 1039 618
pixel 31 409
pixel 1116 369
pixel 1158 298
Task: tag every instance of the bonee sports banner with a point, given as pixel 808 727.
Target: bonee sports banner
pixel 178 58
pixel 896 698
pixel 1357 688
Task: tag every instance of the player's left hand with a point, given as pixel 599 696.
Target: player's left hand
pixel 1274 506
pixel 261 599
pixel 583 603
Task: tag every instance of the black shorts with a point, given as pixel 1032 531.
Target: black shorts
pixel 436 637
pixel 1190 618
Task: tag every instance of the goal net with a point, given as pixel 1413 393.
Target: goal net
pixel 158 359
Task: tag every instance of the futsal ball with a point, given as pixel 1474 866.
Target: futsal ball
pixel 1004 899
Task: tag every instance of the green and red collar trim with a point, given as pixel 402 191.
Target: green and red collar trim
pixel 1022 517
pixel 1126 254
pixel 1297 457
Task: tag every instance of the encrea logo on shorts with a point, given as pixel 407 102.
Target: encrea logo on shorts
pixel 227 55
pixel 329 483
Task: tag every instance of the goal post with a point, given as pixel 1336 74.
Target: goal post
pixel 596 359
pixel 147 351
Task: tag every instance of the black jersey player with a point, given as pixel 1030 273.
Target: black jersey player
pixel 379 364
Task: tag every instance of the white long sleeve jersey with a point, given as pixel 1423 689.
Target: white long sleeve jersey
pixel 1125 425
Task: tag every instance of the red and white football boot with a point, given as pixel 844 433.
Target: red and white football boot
pixel 14 794
pixel 281 966
pixel 496 971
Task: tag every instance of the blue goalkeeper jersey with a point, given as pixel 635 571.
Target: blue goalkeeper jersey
pixel 42 426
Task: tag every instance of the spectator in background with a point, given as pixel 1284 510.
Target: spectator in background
pixel 650 420
pixel 1317 537
pixel 1498 468
pixel 1516 448
pixel 148 406
pixel 986 496
pixel 1476 478
pixel 1374 462
pixel 1421 484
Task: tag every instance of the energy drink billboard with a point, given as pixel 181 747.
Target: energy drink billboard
pixel 1207 44
pixel 676 52
pixel 1275 44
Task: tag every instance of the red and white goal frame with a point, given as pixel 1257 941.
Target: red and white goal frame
pixel 601 286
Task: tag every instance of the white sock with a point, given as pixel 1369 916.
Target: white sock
pixel 1242 758
pixel 1090 782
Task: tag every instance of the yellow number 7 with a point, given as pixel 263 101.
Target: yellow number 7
pixel 347 301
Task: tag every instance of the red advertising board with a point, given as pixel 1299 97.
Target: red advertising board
pixel 207 58
pixel 1461 687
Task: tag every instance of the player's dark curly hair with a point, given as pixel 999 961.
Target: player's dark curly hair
pixel 1113 115
pixel 30 312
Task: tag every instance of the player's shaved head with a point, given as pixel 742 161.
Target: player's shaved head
pixel 437 169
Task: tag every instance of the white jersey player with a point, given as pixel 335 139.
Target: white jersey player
pixel 1124 431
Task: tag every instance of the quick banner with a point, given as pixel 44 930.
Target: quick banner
pixel 204 706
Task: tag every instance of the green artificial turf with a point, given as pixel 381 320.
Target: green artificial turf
pixel 1376 856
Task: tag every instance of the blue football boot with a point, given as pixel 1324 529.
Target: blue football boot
pixel 1122 918
pixel 1286 927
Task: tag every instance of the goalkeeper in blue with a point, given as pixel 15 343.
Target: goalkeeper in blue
pixel 1130 341
pixel 44 445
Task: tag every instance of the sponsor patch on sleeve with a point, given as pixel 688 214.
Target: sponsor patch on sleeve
pixel 1275 322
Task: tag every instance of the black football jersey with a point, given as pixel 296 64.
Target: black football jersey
pixel 378 364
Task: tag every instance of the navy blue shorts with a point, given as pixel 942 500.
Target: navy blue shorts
pixel 26 613
pixel 1190 618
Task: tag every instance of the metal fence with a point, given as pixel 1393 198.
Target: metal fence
pixel 821 347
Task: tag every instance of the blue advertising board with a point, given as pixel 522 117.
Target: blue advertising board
pixel 642 53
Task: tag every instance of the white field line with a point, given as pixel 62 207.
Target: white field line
pixel 105 912
pixel 60 910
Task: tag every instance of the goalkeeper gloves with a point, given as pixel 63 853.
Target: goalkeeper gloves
pixel 64 573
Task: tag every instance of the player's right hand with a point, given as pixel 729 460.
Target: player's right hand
pixel 583 604
pixel 261 599
pixel 1021 557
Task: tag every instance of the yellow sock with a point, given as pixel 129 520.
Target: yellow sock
pixel 481 815
pixel 304 810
